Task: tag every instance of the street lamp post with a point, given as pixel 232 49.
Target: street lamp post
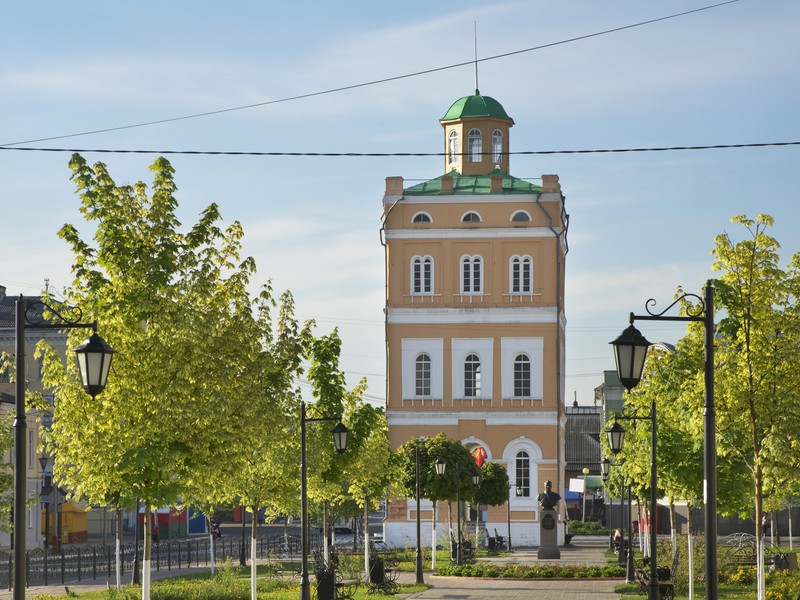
pixel 583 513
pixel 616 435
pixel 418 563
pixel 340 435
pixel 47 490
pixel 508 510
pixel 605 470
pixel 94 361
pixel 440 465
pixel 630 351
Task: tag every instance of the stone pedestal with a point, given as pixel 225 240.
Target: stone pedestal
pixel 548 534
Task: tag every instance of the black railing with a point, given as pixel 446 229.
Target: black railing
pixel 71 563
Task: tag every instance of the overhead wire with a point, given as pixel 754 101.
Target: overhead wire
pixel 369 83
pixel 397 154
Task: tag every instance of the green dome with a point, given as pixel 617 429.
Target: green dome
pixel 476 106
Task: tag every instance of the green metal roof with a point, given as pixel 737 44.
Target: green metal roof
pixel 475 106
pixel 473 184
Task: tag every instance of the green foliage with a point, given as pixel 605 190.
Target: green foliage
pixel 588 528
pixel 493 488
pixel 516 571
pixel 6 473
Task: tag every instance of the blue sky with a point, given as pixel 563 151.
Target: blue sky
pixel 641 223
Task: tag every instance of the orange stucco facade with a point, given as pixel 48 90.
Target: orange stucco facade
pixel 475 321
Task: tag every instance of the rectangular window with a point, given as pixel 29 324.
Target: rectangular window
pixel 417 277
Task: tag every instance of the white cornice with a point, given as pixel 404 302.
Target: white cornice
pixel 471 314
pixel 442 419
pixel 477 232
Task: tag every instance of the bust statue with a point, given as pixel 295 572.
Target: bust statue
pixel 548 498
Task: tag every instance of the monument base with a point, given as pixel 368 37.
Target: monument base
pixel 548 535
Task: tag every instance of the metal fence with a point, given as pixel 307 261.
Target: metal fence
pixel 75 563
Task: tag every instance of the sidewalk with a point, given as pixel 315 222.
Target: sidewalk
pixel 583 550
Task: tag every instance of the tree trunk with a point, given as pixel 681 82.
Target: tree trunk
pixel 118 549
pixel 434 540
pixel 253 551
pixel 366 537
pixel 148 540
pixel 211 543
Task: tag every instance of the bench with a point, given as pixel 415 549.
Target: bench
pixel 665 578
pixel 383 575
pixel 330 583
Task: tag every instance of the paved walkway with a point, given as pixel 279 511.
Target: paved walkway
pixel 586 551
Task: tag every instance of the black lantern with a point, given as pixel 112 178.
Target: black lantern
pixel 630 350
pixel 439 465
pixel 340 435
pixel 519 490
pixel 476 478
pixel 616 435
pixel 605 468
pixel 94 360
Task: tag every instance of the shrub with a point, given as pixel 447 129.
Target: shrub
pixel 588 528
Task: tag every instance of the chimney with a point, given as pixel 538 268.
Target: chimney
pixel 2 292
pixel 447 184
pixel 497 184
pixel 394 186
pixel 550 184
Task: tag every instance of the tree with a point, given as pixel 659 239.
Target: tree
pixel 175 307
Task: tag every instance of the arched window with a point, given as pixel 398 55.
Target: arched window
pixel 422 375
pixel 497 146
pixel 520 216
pixel 475 145
pixel 422 275
pixel 452 146
pixel 523 473
pixel 521 275
pixel 421 217
pixel 471 217
pixel 471 275
pixel 522 376
pixel 472 376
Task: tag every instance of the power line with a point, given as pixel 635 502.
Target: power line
pixel 373 82
pixel 398 154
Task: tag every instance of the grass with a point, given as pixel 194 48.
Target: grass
pixel 228 583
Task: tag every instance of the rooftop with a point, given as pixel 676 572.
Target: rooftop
pixel 476 106
pixel 473 184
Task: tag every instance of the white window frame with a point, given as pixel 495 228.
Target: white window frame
pixel 421 217
pixel 497 146
pixel 410 349
pixel 521 390
pixel 510 348
pixel 524 266
pixel 452 146
pixel 467 217
pixel 472 376
pixel 467 275
pixel 517 213
pixel 422 379
pixel 475 145
pixel 527 491
pixel 423 262
pixel 461 348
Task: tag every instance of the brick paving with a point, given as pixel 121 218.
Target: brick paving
pixel 586 551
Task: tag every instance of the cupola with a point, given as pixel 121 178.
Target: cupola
pixel 476 135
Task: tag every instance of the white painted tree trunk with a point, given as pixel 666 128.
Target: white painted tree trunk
pixel 690 552
pixel 147 537
pixel 253 565
pixel 366 538
pixel 433 538
pixel 118 549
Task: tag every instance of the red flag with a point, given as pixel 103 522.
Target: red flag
pixel 479 454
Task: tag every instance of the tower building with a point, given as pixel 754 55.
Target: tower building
pixel 475 315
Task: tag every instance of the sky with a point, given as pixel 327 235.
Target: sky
pixel 641 223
